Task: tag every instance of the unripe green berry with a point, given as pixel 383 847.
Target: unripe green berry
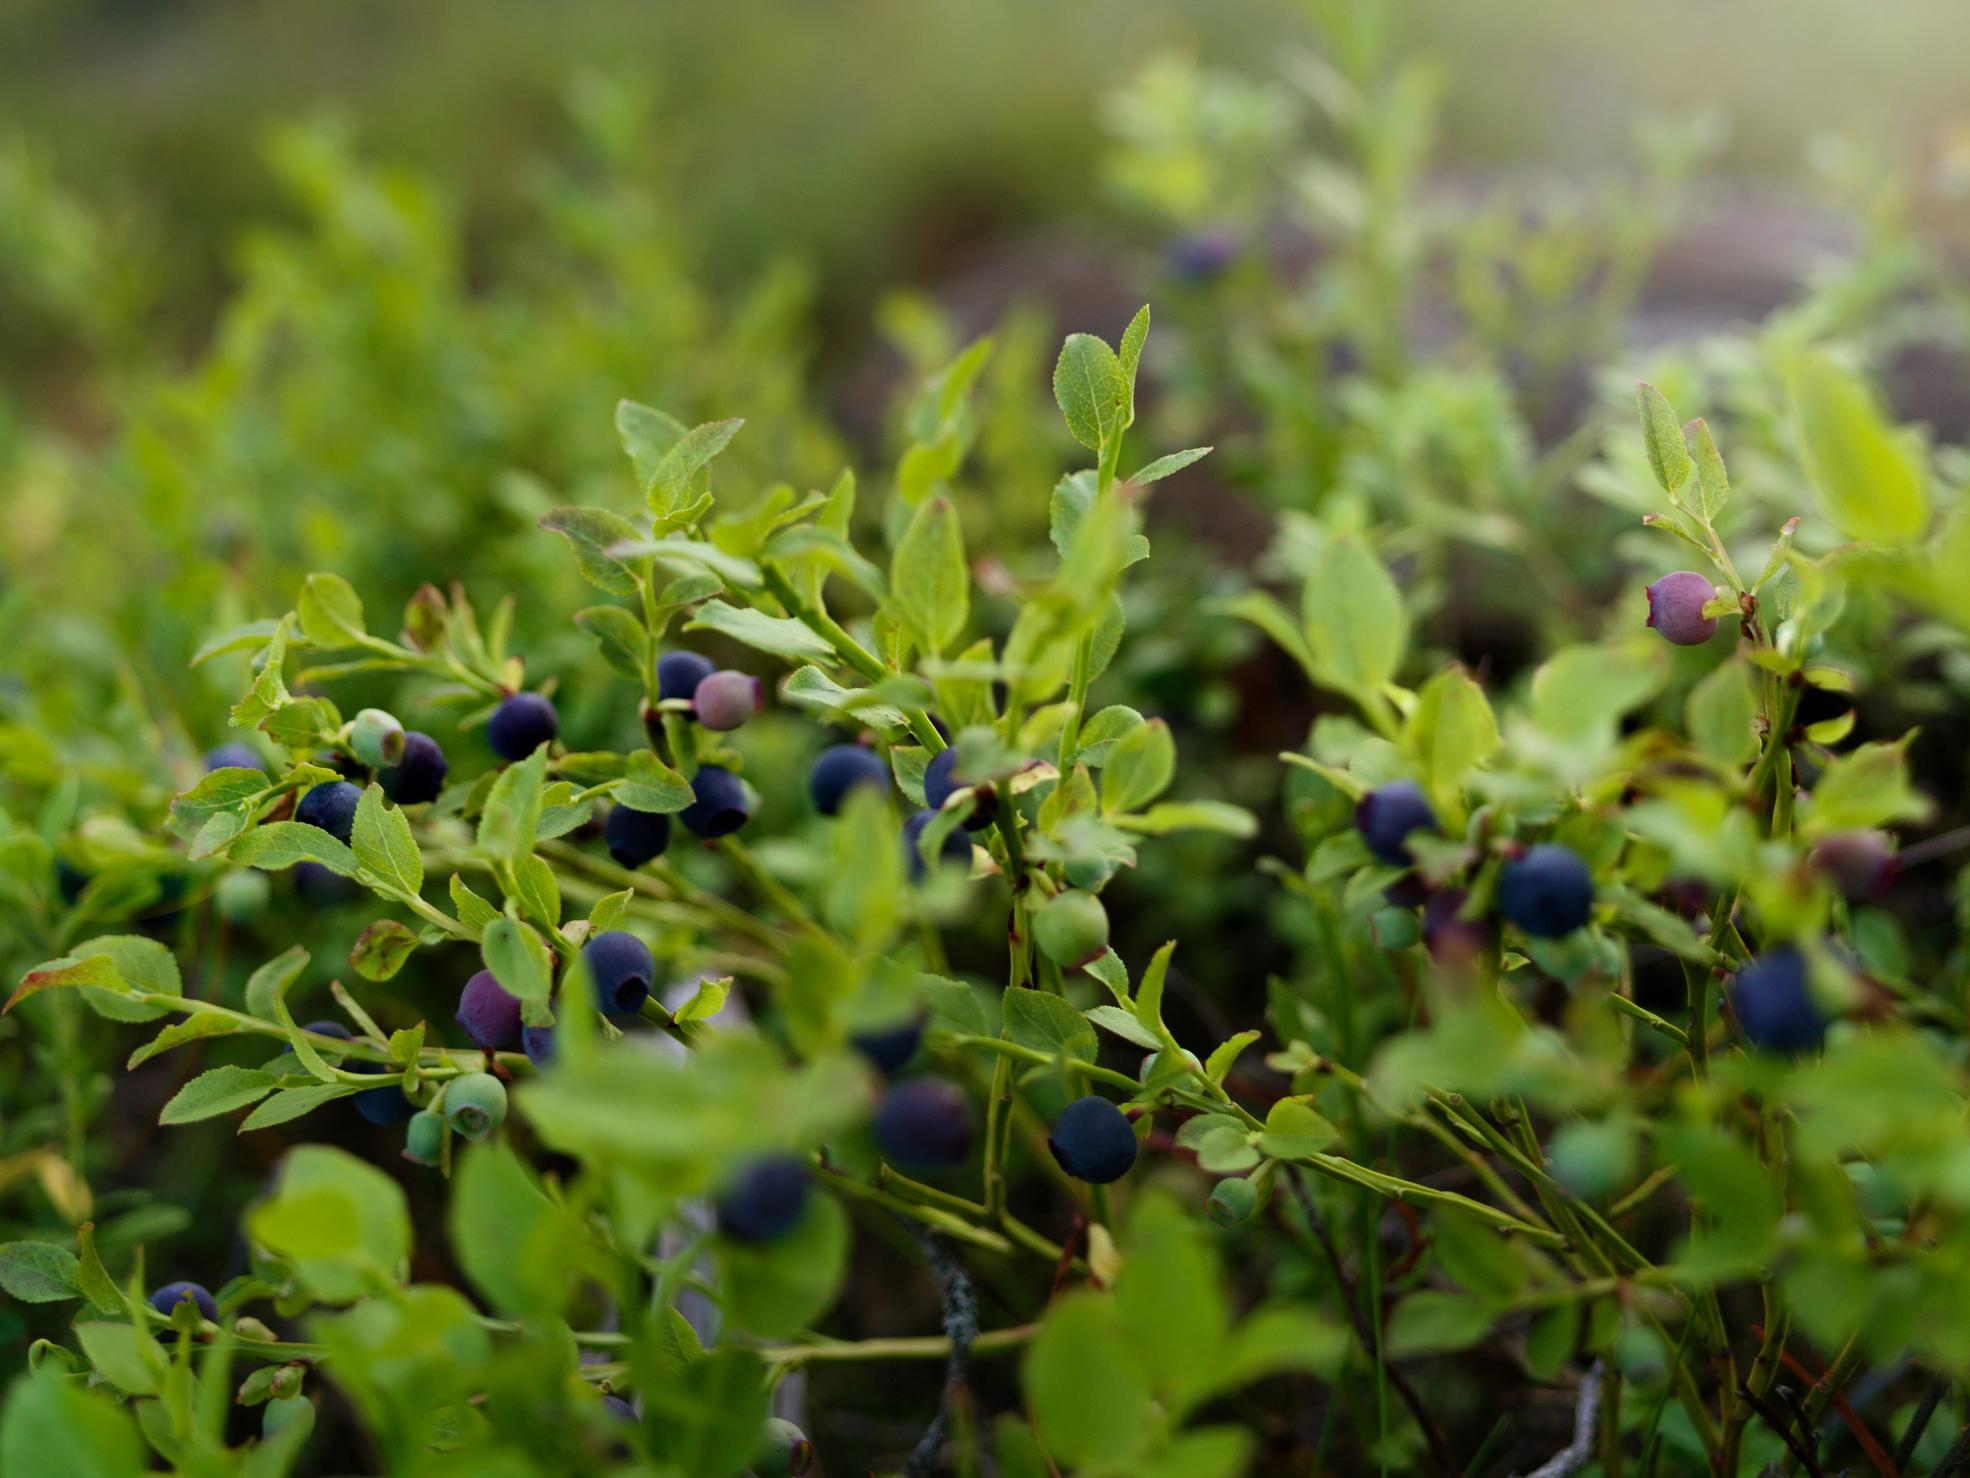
pixel 783 1448
pixel 1071 928
pixel 1232 1201
pixel 241 897
pixel 424 1137
pixel 377 739
pixel 283 1412
pixel 475 1105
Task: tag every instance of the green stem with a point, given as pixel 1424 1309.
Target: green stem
pixel 904 1347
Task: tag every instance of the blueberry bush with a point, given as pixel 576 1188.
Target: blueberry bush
pixel 751 966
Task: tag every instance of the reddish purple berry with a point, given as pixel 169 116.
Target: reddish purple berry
pixel 1861 864
pixel 490 1016
pixel 1676 605
pixel 725 700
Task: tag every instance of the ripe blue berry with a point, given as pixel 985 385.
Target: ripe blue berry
pixel 332 807
pixel 171 1295
pixel 940 783
pixel 725 700
pixel 521 725
pixel 621 969
pixel 538 1043
pixel 719 806
pixel 329 1029
pixel 386 1107
pixel 1861 864
pixel 420 775
pixel 322 887
pixel 618 1408
pixel 839 770
pixel 764 1200
pixel 1200 256
pixel 1676 604
pixel 889 1048
pixel 679 673
pixel 1548 892
pixel 490 1016
pixel 234 756
pixel 956 848
pixel 635 837
pixel 924 1124
pixel 475 1105
pixel 1449 939
pixel 1774 1006
pixel 1386 816
pixel 424 1138
pixel 1092 1140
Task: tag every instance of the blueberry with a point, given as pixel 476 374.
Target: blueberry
pixel 889 1048
pixel 1232 1200
pixel 619 1408
pixel 940 783
pixel 720 804
pixel 764 1200
pixel 1386 816
pixel 679 673
pixel 1449 939
pixel 1071 929
pixel 69 881
pixel 323 887
pixel 635 837
pixel 956 848
pixel 1775 1008
pixel 1547 892
pixel 725 700
pixel 621 969
pixel 490 1016
pixel 377 739
pixel 1200 256
pixel 1676 604
pixel 386 1107
pixel 424 1138
pixel 332 807
pixel 475 1105
pixel 1092 1140
pixel 538 1043
pixel 924 1124
pixel 234 756
pixel 330 1029
pixel 521 724
pixel 839 770
pixel 1861 864
pixel 420 775
pixel 783 1449
pixel 171 1295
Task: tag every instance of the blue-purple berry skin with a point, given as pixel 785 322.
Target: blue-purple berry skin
pixel 679 673
pixel 719 805
pixel 1774 1005
pixel 420 775
pixel 1861 864
pixel 1387 814
pixel 1201 256
pixel 619 1409
pixel 1092 1140
pixel 635 837
pixel 329 1029
pixel 332 807
pixel 323 887
pixel 764 1201
pixel 1548 892
pixel 956 848
pixel 386 1106
pixel 1450 939
pixel 1676 604
pixel 171 1295
pixel 538 1043
pixel 234 756
pixel 888 1050
pixel 621 969
pixel 940 783
pixel 726 699
pixel 924 1124
pixel 488 1013
pixel 839 770
pixel 521 724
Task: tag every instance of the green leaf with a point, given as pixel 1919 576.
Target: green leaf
pixel 519 959
pixel 217 1090
pixel 1087 1392
pixel 813 688
pixel 1712 481
pixel 610 910
pixel 782 636
pixel 381 949
pixel 671 482
pixel 39 1272
pixel 1293 1130
pixel 1225 1055
pixel 1662 434
pixel 342 1223
pixel 143 965
pixel 1124 1025
pixel 1448 734
pixel 118 1352
pixel 537 892
pixel 1169 1296
pixel 1133 338
pixel 1722 714
pixel 383 843
pixel 1164 466
pixel 330 612
pixel 651 785
pixel 50 1423
pixel 472 910
pixel 1866 788
pixel 1048 1023
pixel 930 587
pixel 516 1246
pixel 591 532
pixel 1433 1323
pixel 1149 993
pixel 191 1029
pixel 706 1001
pixel 1871 479
pixel 1139 767
pixel 510 822
pixel 1174 816
pixel 1092 391
pixel 281 844
pixel 622 639
pixel 267 983
pixel 1356 630
pixel 777 1288
pixel 292 1103
pixel 646 434
pixel 231 789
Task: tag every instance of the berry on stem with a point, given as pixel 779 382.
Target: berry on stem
pixel 377 739
pixel 839 770
pixel 940 783
pixel 889 1048
pixel 956 847
pixel 726 699
pixel 1387 814
pixel 1676 603
pixel 621 969
pixel 234 756
pixel 424 1138
pixel 719 805
pixel 538 1043
pixel 764 1201
pixel 679 673
pixel 924 1124
pixel 1548 892
pixel 521 724
pixel 783 1448
pixel 323 887
pixel 1450 939
pixel 332 807
pixel 1861 864
pixel 1774 1005
pixel 167 1298
pixel 635 837
pixel 1232 1201
pixel 475 1105
pixel 1071 929
pixel 490 1016
pixel 1092 1140
pixel 420 775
